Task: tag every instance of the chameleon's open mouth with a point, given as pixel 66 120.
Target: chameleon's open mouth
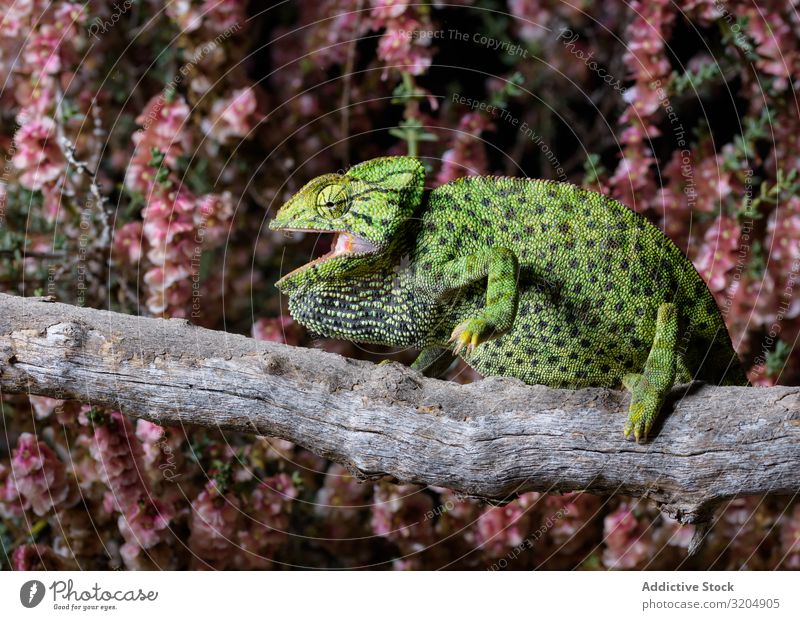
pixel 342 244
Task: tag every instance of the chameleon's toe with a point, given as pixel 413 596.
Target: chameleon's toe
pixel 467 336
pixel 640 420
pixel 645 403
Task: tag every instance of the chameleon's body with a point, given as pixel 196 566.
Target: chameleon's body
pixel 538 280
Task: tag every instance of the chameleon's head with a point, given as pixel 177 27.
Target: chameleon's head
pixel 363 208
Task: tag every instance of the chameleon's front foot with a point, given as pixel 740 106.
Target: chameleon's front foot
pixel 468 335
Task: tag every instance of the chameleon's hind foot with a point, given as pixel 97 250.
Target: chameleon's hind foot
pixel 468 335
pixel 645 403
pixel 649 389
pixel 433 361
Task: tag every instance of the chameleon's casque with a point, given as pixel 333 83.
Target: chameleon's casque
pixel 539 280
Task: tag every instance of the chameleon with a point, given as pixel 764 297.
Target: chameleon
pixel 535 279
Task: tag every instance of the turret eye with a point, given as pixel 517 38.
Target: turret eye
pixel 333 201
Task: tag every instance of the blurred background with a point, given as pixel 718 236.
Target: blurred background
pixel 147 144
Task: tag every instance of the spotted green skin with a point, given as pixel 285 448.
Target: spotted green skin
pixel 539 280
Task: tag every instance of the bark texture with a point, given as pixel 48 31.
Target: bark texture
pixel 491 439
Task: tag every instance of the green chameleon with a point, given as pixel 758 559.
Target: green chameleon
pixel 534 279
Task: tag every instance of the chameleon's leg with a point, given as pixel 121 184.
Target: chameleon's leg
pixel 501 268
pixel 433 361
pixel 682 372
pixel 650 388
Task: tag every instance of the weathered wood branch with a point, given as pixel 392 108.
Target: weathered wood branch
pixel 491 439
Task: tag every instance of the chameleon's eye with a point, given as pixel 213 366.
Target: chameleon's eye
pixel 333 200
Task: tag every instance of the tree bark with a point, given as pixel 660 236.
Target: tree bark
pixel 492 439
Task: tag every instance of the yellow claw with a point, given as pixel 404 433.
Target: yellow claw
pixel 464 338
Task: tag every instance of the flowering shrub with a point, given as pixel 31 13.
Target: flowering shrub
pixel 144 151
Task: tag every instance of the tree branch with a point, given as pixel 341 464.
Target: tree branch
pixel 490 439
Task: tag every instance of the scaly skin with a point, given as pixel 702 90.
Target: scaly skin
pixel 539 280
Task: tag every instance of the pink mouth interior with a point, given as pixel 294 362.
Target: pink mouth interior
pixel 342 244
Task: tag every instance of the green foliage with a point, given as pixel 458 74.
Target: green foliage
pixel 162 171
pixel 511 89
pixel 775 361
pixel 593 169
pixel 758 262
pixel 195 173
pixel 410 129
pixel 736 35
pixel 785 185
pixel 694 81
pixel 744 152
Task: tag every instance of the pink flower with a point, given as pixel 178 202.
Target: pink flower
pixel 177 225
pixel 16 17
pixel 148 432
pixel 169 125
pixel 44 406
pixel 11 504
pixel 671 532
pixel 501 528
pixel 41 52
pixel 38 155
pixel 39 475
pixel 403 514
pixel 144 524
pixel 143 521
pixel 163 129
pixel 790 539
pixel 232 116
pixel 530 17
pixel 39 557
pixel 783 229
pixel 628 538
pixel 268 508
pixel 341 504
pixel 633 182
pixel 466 156
pixel 212 218
pixel 169 288
pixel 717 257
pixel 67 16
pixel 571 517
pixel 162 449
pixel 705 11
pixel 744 526
pixel 128 242
pixel 281 329
pixel 35 99
pixel 776 43
pixel 220 15
pixel 161 278
pixel 388 9
pixel 188 17
pixel 168 205
pixel 167 216
pixel 213 526
pixel 401 51
pixel 169 229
